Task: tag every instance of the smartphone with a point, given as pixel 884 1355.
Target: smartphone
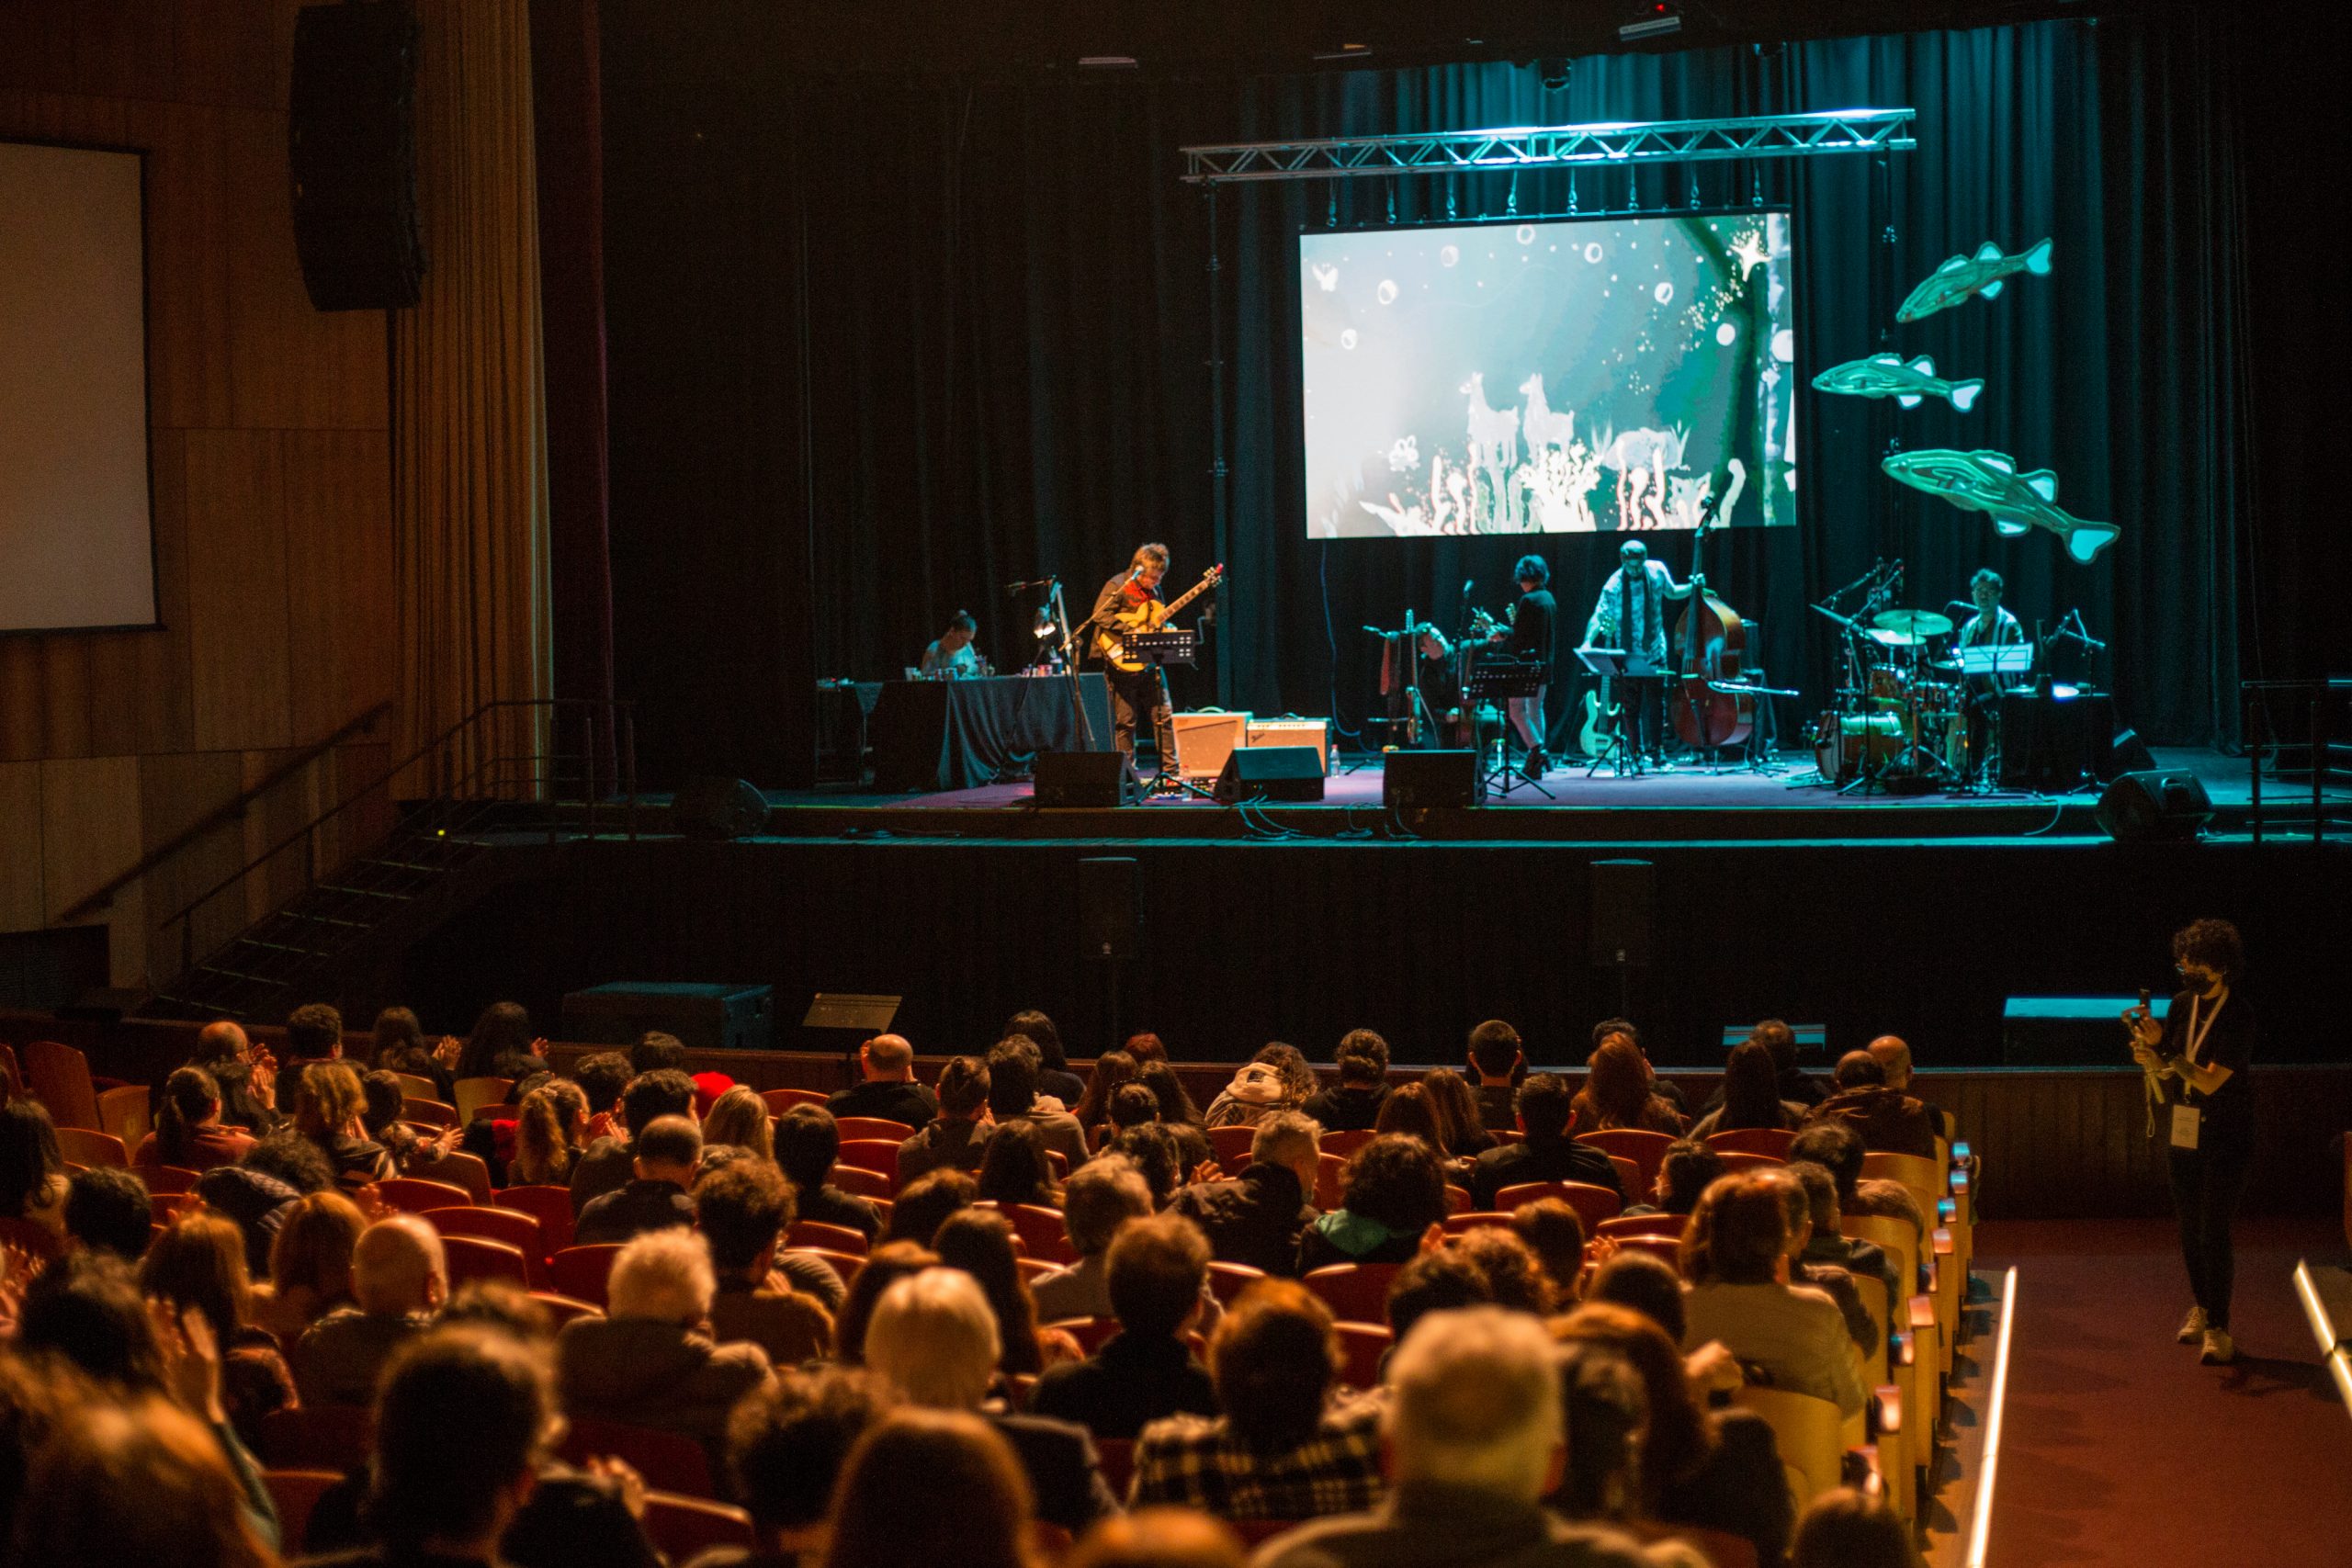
pixel 2143 999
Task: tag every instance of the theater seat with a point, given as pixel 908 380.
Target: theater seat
pixel 669 1462
pixel 832 1238
pixel 1645 1148
pixel 1592 1203
pixel 1772 1140
pixel 318 1437
pixel 779 1101
pixel 551 1206
pixel 412 1196
pixel 1362 1347
pixel 1231 1146
pixel 581 1271
pixel 1809 1433
pixel 873 1127
pixel 1356 1293
pixel 1643 1224
pixel 683 1528
pixel 473 1258
pixel 1228 1281
pixel 294 1494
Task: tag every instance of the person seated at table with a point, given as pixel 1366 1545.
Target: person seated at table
pixel 953 655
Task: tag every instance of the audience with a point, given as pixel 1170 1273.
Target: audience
pixel 1846 1528
pixel 247 1077
pixel 1603 1408
pixel 1177 1112
pixel 1409 1111
pixel 1832 1280
pixel 1440 1279
pixel 1129 1105
pixel 1553 1232
pixel 607 1164
pixel 1496 1057
pixel 189 1131
pixel 808 1141
pixel 786 1444
pixel 1663 1088
pixel 648 1362
pixel 886 1087
pixel 1013 1065
pixel 933 1337
pixel 924 1204
pixel 1159 1269
pixel 1393 1191
pixel 1112 1069
pixel 399 1045
pixel 1054 1077
pixel 980 1243
pixel 32 1172
pixel 889 1263
pixel 604 1077
pixel 1516 1280
pixel 139 1480
pixel 1277 1078
pixel 665 1158
pixel 1750 1095
pixel 107 1211
pixel 502 1045
pixel 308 1263
pixel 1687 1168
pixel 976 1508
pixel 958 1136
pixel 1734 1256
pixel 1894 1059
pixel 1543 1109
pixel 1620 1091
pixel 1103 1195
pixel 1461 1130
pixel 1146 1046
pixel 1354 1105
pixel 1825 1244
pixel 1281 1447
pixel 742 1211
pixel 1886 1120
pixel 1646 1284
pixel 1475 1443
pixel 313 1034
pixel 551 1133
pixel 1159 1538
pixel 1013 1168
pixel 329 1108
pixel 1154 1151
pixel 1258 1217
pixel 399 1276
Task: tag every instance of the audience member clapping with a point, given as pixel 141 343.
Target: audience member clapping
pixel 502 1045
pixel 247 1077
pixel 200 1264
pixel 742 1211
pixel 1158 1267
pixel 399 1276
pixel 665 1158
pixel 608 1164
pixel 1735 1255
pixel 550 1134
pixel 647 1363
pixel 1258 1216
pixel 189 1131
pixel 329 1110
pixel 1103 1195
pixel 1392 1192
pixel 463 1423
pixel 1545 1107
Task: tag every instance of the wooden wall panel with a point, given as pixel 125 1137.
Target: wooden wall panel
pixel 190 242
pixel 89 816
pixel 175 791
pixel 23 699
pixel 338 548
pixel 233 53
pixel 238 639
pixel 121 52
pixel 21 905
pixel 36 47
pixel 164 694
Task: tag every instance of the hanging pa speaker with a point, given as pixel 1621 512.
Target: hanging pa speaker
pixel 1085 779
pixel 712 808
pixel 1271 773
pixel 351 150
pixel 1411 780
pixel 1622 893
pixel 2146 806
pixel 1108 915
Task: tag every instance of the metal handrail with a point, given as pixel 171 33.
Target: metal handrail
pixel 104 892
pixel 623 733
pixel 2261 739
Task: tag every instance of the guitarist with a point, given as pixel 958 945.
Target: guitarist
pixel 1631 615
pixel 1139 691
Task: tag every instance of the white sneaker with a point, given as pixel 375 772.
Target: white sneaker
pixel 2192 1327
pixel 2219 1352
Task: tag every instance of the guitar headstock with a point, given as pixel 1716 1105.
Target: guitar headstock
pixel 1215 575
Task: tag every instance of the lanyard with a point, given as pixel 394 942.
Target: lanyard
pixel 2196 1034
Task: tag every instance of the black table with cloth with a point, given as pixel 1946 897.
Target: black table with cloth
pixel 941 735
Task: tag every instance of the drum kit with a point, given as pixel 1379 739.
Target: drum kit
pixel 1901 721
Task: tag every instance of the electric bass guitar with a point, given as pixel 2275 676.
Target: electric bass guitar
pixel 1110 640
pixel 1599 720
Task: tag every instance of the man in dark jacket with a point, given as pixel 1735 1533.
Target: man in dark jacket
pixel 806 1145
pixel 958 1135
pixel 1258 1216
pixel 607 1165
pixel 1158 1267
pixel 1354 1105
pixel 1549 1153
pixel 1495 1054
pixel 888 1088
pixel 667 1154
pixel 1887 1120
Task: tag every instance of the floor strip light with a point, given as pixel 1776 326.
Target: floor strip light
pixel 1980 1533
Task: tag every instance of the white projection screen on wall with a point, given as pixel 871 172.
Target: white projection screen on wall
pixel 76 539
pixel 1575 377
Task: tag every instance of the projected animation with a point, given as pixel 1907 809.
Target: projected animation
pixel 1561 378
pixel 1989 482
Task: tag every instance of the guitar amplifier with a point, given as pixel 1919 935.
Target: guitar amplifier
pixel 1315 732
pixel 1204 740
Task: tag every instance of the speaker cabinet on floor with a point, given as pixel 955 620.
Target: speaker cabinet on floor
pixel 1085 778
pixel 351 150
pixel 1271 773
pixel 2140 807
pixel 1108 915
pixel 1414 780
pixel 714 807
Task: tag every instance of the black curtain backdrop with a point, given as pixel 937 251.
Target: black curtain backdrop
pixel 879 347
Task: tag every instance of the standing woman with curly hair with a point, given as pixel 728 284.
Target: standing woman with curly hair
pixel 2199 1063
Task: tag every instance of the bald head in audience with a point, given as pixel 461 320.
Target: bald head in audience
pixel 219 1040
pixel 668 1150
pixel 397 1267
pixel 887 1058
pixel 1893 1056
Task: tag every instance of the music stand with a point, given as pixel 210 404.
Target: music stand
pixel 1507 679
pixel 1612 664
pixel 854 1017
pixel 1159 650
pixel 1991 661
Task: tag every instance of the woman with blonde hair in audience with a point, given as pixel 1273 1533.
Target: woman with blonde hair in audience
pixel 1112 1068
pixel 739 1118
pixel 329 1110
pixel 549 1128
pixel 979 1243
pixel 1013 1168
pixel 310 1264
pixel 1718 1470
pixel 1464 1130
pixel 1620 1090
pixel 932 1486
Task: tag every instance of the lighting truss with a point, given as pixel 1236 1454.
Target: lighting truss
pixel 1625 144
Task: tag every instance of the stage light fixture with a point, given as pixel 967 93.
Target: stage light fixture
pixel 1652 18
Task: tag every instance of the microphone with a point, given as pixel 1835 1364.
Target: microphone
pixel 1012 590
pixel 1467 584
pixel 1376 631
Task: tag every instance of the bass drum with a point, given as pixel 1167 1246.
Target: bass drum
pixel 1841 741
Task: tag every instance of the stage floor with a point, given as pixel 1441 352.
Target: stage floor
pixel 1685 805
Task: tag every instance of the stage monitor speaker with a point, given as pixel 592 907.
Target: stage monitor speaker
pixel 2156 805
pixel 1622 893
pixel 2127 753
pixel 714 807
pixel 705 1017
pixel 1085 778
pixel 1108 915
pixel 1271 773
pixel 1416 780
pixel 351 150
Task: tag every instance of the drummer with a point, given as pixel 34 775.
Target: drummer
pixel 1991 627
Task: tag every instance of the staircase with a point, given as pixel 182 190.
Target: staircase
pixel 504 795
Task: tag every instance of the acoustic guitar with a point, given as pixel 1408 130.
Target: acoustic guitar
pixel 1147 616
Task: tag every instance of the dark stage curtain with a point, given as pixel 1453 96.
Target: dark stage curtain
pixel 880 347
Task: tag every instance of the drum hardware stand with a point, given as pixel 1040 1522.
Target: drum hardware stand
pixel 1507 678
pixel 1613 664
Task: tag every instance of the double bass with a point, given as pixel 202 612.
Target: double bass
pixel 1710 640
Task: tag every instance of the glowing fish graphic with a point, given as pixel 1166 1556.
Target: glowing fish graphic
pixel 1886 376
pixel 1989 482
pixel 1963 276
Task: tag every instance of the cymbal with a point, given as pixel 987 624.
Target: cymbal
pixel 1894 639
pixel 1920 623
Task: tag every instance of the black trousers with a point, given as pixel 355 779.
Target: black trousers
pixel 2207 1183
pixel 1132 697
pixel 1644 719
